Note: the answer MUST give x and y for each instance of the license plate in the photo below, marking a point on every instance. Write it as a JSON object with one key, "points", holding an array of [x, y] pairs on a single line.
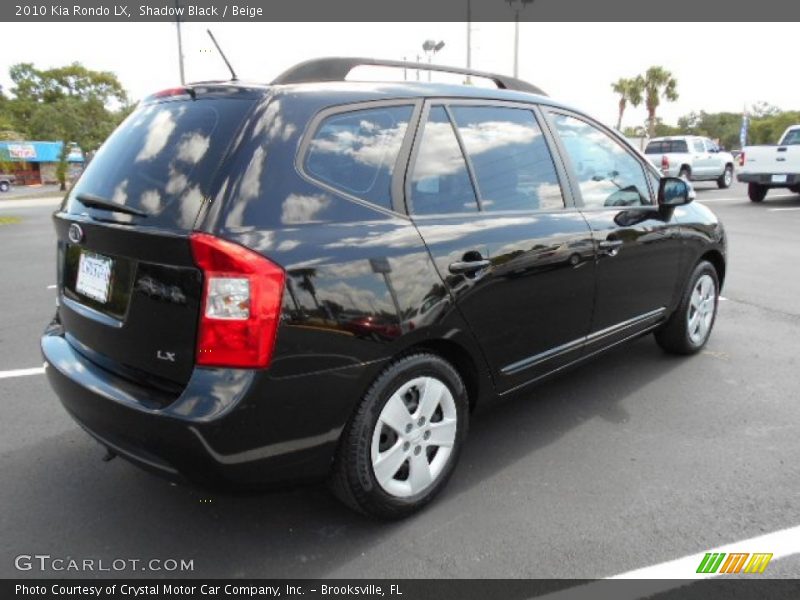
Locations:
{"points": [[94, 276], [779, 179]]}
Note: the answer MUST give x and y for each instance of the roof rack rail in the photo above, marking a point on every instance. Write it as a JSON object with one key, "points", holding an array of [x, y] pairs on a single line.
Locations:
{"points": [[337, 69]]}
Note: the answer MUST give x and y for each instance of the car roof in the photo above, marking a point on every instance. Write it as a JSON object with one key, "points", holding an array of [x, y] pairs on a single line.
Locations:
{"points": [[385, 90], [671, 138]]}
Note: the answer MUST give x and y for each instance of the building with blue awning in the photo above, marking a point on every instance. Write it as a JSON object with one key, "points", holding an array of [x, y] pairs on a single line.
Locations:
{"points": [[36, 162]]}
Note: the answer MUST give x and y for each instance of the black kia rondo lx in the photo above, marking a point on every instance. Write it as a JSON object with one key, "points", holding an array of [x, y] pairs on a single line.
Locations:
{"points": [[320, 278]]}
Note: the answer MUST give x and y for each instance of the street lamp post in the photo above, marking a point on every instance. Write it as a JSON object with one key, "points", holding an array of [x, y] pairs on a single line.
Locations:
{"points": [[431, 47], [517, 6]]}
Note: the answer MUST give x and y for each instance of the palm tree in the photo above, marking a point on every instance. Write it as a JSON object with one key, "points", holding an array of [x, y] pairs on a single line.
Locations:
{"points": [[658, 83], [629, 90]]}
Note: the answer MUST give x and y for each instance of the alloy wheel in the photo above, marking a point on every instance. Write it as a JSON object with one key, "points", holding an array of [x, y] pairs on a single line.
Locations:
{"points": [[702, 305], [414, 437]]}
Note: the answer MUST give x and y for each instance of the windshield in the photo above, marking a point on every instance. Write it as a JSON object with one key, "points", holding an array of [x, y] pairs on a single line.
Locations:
{"points": [[162, 159]]}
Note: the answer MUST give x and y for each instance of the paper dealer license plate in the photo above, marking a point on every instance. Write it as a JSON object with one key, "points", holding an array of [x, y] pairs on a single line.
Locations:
{"points": [[94, 276]]}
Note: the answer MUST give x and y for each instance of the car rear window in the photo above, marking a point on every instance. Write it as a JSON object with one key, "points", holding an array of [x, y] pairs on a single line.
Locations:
{"points": [[162, 159], [792, 138], [666, 147], [356, 151]]}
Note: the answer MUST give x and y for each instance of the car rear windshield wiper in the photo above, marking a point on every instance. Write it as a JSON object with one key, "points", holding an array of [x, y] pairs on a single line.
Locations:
{"points": [[93, 201]]}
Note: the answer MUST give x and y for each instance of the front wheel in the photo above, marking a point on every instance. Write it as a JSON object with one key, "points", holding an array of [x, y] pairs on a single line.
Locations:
{"points": [[756, 192], [4, 186], [689, 327], [402, 444], [726, 179]]}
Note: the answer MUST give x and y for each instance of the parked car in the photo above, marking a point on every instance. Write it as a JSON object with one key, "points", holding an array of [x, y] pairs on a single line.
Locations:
{"points": [[6, 181], [764, 168], [691, 157], [320, 278]]}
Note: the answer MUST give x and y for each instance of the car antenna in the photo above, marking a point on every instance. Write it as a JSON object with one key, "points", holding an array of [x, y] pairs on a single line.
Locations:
{"points": [[222, 54]]}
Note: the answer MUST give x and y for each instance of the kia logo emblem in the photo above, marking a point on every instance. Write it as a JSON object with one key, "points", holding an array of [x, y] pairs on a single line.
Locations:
{"points": [[75, 233]]}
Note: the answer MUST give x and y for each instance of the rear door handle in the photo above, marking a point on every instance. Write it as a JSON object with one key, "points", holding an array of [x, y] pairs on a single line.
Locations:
{"points": [[611, 247], [468, 266]]}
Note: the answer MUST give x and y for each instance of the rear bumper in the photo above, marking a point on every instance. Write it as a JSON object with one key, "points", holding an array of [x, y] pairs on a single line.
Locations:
{"points": [[238, 427], [792, 179]]}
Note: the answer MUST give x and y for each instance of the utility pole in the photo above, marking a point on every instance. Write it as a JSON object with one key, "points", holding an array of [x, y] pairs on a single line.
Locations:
{"points": [[517, 6], [469, 39], [180, 42]]}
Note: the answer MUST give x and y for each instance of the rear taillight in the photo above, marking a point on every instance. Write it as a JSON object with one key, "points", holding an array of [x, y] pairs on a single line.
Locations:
{"points": [[241, 306], [664, 164], [741, 159]]}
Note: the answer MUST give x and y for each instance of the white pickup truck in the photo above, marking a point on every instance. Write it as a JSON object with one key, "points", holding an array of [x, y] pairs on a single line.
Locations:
{"points": [[766, 167]]}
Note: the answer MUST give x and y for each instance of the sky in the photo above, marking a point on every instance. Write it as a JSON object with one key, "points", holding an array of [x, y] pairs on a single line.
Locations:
{"points": [[719, 66]]}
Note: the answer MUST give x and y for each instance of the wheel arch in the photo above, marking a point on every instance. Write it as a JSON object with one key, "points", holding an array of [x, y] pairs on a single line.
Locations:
{"points": [[718, 261], [475, 378]]}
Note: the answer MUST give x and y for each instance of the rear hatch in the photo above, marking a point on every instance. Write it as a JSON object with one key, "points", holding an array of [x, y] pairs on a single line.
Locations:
{"points": [[130, 292]]}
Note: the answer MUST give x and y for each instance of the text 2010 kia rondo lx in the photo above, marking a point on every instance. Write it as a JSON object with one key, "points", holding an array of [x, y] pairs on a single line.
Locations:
{"points": [[317, 277]]}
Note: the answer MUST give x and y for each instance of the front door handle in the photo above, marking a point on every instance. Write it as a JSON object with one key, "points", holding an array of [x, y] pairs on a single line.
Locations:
{"points": [[468, 266], [611, 247]]}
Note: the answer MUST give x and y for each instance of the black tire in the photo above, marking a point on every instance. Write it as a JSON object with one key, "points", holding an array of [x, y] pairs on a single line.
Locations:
{"points": [[726, 179], [756, 192], [795, 189], [685, 173], [4, 186], [674, 336], [353, 478]]}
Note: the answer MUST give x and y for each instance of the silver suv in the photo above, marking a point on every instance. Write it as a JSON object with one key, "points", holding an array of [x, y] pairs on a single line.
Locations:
{"points": [[691, 157]]}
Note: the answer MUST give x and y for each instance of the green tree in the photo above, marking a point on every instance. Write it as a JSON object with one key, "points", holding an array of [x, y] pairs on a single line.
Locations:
{"points": [[630, 92], [72, 104], [658, 83], [723, 126]]}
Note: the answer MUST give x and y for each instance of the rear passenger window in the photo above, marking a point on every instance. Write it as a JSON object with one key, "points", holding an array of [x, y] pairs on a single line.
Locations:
{"points": [[698, 146], [356, 151], [512, 164], [440, 183]]}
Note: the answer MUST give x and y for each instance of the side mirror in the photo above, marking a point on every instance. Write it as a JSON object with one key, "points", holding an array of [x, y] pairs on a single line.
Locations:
{"points": [[674, 191]]}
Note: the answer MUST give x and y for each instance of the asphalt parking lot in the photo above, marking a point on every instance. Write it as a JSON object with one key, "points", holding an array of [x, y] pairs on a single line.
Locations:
{"points": [[634, 460]]}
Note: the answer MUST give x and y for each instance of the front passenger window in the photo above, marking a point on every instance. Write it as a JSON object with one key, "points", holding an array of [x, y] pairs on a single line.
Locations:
{"points": [[607, 174]]}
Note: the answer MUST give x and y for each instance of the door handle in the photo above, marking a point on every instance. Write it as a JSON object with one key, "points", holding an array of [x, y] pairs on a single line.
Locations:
{"points": [[611, 247], [468, 266]]}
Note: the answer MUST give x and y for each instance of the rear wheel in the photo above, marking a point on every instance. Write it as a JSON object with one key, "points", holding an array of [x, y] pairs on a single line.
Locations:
{"points": [[795, 189], [685, 173], [689, 327], [726, 178], [756, 192], [4, 186], [402, 444]]}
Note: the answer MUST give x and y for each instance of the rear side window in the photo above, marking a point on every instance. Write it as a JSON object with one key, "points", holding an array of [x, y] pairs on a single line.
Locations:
{"points": [[163, 158], [512, 164], [698, 146], [440, 182], [356, 151]]}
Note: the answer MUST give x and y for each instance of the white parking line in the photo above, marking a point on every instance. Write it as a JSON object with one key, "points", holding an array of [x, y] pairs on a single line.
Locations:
{"points": [[781, 209], [781, 543], [742, 198], [21, 372], [51, 287]]}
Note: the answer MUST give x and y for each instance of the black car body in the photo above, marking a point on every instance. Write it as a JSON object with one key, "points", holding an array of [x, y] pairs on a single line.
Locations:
{"points": [[371, 243]]}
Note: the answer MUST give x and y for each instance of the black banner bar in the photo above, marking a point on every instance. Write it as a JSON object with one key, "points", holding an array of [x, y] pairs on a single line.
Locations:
{"points": [[393, 10], [402, 589]]}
